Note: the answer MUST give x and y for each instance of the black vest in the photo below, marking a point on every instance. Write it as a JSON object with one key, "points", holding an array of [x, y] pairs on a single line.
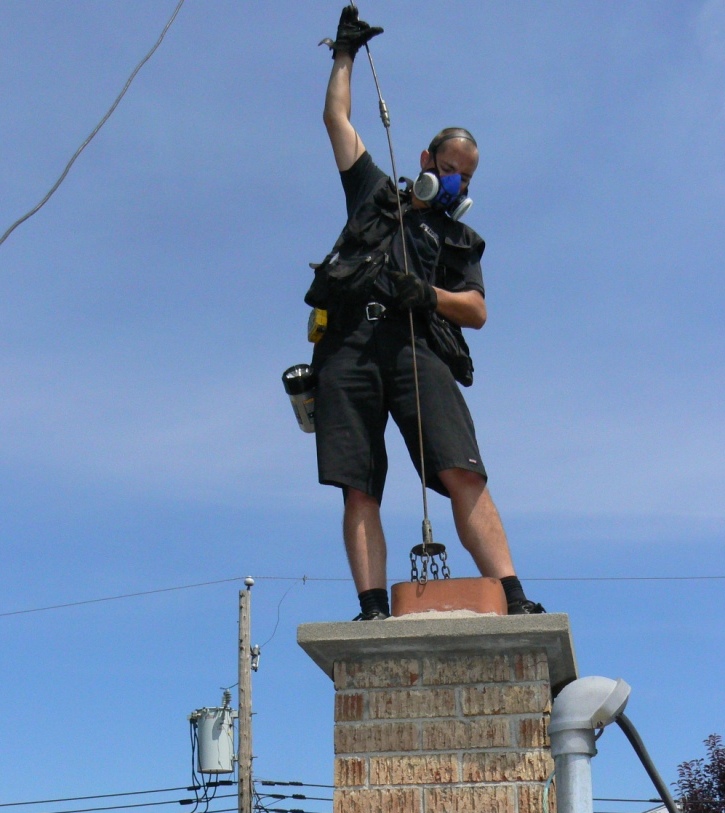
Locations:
{"points": [[439, 250]]}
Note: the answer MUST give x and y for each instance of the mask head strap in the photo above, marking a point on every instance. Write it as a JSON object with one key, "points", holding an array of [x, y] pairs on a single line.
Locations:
{"points": [[447, 135]]}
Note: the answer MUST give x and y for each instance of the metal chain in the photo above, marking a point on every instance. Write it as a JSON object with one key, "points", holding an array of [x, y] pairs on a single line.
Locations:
{"points": [[414, 575], [444, 561], [424, 576], [427, 555]]}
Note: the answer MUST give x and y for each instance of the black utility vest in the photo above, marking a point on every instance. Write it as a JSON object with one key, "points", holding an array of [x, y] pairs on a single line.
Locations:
{"points": [[438, 249]]}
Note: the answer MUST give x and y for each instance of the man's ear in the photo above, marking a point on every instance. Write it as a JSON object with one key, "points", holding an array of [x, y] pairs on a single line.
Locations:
{"points": [[425, 157]]}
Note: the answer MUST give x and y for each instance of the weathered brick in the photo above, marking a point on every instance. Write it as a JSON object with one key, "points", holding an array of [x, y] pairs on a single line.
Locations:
{"points": [[531, 732], [393, 800], [350, 772], [411, 703], [497, 698], [521, 766], [454, 671], [530, 666], [349, 706], [479, 799], [367, 738], [441, 733], [531, 798], [481, 732], [377, 673], [412, 769]]}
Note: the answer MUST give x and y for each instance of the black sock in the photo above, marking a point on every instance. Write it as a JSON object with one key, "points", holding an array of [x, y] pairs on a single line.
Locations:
{"points": [[375, 600], [513, 589]]}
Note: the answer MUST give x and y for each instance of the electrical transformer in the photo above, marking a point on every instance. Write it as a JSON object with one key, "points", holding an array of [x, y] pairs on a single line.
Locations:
{"points": [[215, 738]]}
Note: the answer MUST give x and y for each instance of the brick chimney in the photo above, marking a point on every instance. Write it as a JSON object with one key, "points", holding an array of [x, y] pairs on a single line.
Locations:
{"points": [[443, 714]]}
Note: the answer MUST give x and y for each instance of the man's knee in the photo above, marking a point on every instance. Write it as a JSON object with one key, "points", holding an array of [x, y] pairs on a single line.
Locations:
{"points": [[458, 480], [356, 500]]}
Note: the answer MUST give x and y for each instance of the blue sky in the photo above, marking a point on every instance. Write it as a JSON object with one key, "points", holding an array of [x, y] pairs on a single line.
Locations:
{"points": [[148, 311]]}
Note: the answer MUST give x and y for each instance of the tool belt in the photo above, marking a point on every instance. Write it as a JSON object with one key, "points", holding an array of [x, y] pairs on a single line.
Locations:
{"points": [[444, 338], [348, 316]]}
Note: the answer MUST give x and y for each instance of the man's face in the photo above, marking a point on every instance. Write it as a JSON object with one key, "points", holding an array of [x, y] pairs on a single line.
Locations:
{"points": [[457, 156]]}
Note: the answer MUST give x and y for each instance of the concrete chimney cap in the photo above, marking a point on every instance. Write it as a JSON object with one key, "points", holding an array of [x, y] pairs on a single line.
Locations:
{"points": [[589, 703]]}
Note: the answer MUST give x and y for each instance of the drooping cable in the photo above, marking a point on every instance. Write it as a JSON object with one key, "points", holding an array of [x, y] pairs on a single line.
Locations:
{"points": [[635, 740], [385, 118], [279, 605], [193, 733], [96, 128]]}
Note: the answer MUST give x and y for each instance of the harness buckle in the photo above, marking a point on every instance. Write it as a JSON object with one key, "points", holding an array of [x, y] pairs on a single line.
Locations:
{"points": [[374, 311]]}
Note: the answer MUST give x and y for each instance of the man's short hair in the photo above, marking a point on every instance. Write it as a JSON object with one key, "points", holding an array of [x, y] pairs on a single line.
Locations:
{"points": [[447, 134]]}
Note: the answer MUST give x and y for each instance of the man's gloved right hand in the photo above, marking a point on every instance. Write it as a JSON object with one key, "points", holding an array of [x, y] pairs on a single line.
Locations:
{"points": [[412, 293], [352, 33]]}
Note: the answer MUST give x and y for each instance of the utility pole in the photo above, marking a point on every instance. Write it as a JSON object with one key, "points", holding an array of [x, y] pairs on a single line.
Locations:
{"points": [[244, 745]]}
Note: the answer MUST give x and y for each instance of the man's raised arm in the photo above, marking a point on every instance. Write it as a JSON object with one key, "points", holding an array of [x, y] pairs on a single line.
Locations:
{"points": [[352, 34]]}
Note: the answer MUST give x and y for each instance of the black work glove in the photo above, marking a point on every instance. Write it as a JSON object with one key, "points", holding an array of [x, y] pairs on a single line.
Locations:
{"points": [[352, 33], [412, 293]]}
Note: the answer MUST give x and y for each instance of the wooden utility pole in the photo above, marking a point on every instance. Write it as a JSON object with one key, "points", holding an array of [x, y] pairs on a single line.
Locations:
{"points": [[244, 745]]}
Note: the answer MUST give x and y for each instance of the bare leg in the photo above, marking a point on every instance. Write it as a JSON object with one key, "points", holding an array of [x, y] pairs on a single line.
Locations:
{"points": [[364, 541], [478, 522]]}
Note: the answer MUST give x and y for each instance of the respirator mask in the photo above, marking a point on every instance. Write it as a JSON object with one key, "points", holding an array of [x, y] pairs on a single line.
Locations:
{"points": [[442, 192]]}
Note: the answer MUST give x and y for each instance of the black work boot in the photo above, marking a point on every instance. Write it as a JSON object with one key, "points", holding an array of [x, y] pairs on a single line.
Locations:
{"points": [[524, 607], [374, 605], [375, 615]]}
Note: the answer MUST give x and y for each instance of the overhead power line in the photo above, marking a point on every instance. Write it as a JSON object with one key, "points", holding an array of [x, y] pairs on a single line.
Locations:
{"points": [[305, 579], [260, 797], [95, 130], [187, 801], [268, 782], [122, 596], [138, 805], [276, 810], [622, 578], [272, 796], [88, 798], [299, 796], [264, 782]]}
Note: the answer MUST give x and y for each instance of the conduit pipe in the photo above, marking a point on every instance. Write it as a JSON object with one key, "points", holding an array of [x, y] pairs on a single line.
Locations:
{"points": [[580, 709]]}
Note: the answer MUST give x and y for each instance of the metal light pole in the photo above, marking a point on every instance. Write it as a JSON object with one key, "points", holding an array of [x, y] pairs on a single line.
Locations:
{"points": [[244, 745]]}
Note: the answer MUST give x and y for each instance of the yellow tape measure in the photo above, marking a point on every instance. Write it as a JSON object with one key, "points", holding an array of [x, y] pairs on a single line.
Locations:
{"points": [[316, 325]]}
